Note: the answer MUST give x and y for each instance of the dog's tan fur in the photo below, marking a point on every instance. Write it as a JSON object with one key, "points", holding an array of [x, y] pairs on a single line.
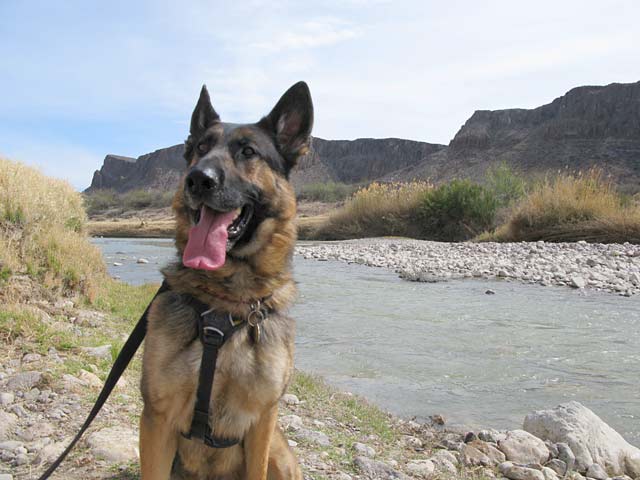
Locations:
{"points": [[250, 376]]}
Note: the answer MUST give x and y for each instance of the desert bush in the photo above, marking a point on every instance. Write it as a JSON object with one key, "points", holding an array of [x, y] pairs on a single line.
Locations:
{"points": [[377, 210], [506, 185], [572, 207], [42, 232], [457, 210], [327, 192]]}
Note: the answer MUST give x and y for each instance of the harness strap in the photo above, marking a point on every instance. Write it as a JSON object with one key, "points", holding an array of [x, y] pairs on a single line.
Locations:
{"points": [[214, 329], [124, 357]]}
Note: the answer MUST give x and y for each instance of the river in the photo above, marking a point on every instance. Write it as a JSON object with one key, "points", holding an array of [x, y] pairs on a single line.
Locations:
{"points": [[448, 348]]}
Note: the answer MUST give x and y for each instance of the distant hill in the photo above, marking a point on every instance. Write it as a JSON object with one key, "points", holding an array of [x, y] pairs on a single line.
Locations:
{"points": [[587, 126]]}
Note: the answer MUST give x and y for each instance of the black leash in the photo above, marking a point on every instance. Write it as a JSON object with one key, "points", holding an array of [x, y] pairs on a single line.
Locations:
{"points": [[119, 366]]}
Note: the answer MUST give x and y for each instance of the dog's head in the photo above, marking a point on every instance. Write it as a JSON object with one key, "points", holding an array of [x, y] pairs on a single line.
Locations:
{"points": [[236, 200]]}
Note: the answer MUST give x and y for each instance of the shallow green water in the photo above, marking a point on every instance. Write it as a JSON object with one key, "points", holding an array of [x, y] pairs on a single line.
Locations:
{"points": [[424, 348]]}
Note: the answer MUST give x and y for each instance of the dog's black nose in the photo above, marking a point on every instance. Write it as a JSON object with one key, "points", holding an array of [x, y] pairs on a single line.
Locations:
{"points": [[199, 182]]}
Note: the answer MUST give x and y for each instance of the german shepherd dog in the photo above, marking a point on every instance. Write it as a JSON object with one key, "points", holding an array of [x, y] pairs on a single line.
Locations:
{"points": [[235, 234]]}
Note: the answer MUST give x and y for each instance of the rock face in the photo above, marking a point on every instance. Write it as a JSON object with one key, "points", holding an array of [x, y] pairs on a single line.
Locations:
{"points": [[590, 439], [159, 170], [347, 161], [591, 125]]}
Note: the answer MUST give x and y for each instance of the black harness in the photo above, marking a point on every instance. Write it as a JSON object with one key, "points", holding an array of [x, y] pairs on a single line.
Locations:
{"points": [[214, 329]]}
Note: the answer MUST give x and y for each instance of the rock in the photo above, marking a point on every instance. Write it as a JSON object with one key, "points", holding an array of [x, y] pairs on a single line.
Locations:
{"points": [[117, 264], [103, 351], [490, 292], [516, 472], [31, 357], [590, 439], [577, 282], [6, 398], [495, 455], [444, 455], [11, 445], [437, 420], [72, 384], [7, 423], [21, 459], [290, 399], [566, 455], [472, 457], [50, 452], [521, 447], [421, 468], [114, 444], [313, 436], [597, 472], [470, 437], [291, 422], [6, 476], [364, 450], [549, 474], [24, 380], [558, 466], [410, 441], [90, 379], [142, 261], [376, 470], [342, 476]]}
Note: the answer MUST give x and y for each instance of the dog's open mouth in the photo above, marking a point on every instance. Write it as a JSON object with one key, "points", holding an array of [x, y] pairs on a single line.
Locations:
{"points": [[213, 235]]}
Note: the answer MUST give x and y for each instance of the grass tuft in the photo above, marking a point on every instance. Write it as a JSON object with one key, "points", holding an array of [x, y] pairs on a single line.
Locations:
{"points": [[572, 207], [42, 232]]}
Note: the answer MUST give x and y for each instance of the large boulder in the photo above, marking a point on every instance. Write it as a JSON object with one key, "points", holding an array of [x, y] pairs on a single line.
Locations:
{"points": [[591, 439]]}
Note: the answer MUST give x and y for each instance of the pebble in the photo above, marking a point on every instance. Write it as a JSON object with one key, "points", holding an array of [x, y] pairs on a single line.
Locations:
{"points": [[616, 267], [6, 398], [597, 472], [290, 399], [421, 468], [24, 380], [142, 260], [313, 436], [377, 469], [364, 450], [103, 351]]}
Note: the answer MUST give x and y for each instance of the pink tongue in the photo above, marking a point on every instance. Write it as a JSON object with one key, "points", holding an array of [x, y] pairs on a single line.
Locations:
{"points": [[207, 245]]}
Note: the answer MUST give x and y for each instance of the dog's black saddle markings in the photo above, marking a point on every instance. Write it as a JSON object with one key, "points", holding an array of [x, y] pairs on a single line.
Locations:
{"points": [[214, 328]]}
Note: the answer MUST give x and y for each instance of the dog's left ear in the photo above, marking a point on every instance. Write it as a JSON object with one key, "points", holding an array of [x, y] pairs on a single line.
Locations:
{"points": [[291, 121]]}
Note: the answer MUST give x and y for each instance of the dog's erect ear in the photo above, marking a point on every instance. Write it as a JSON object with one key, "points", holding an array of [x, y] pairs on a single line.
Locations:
{"points": [[291, 121], [203, 115]]}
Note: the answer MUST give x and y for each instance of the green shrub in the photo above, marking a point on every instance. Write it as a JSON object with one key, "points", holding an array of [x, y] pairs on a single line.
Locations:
{"points": [[327, 192], [457, 211], [506, 185]]}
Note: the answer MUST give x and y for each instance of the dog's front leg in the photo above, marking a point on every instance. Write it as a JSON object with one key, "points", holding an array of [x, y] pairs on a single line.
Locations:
{"points": [[158, 444], [257, 443]]}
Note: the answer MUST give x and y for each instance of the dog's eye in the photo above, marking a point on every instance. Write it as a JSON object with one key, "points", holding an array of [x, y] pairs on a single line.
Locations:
{"points": [[203, 147], [248, 152]]}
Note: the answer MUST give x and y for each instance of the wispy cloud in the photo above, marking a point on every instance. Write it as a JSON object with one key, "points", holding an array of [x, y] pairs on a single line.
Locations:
{"points": [[308, 35]]}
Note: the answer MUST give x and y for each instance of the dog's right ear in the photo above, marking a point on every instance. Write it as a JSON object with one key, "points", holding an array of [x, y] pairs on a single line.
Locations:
{"points": [[203, 115]]}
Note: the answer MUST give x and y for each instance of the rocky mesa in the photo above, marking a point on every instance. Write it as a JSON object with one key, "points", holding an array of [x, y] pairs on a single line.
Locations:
{"points": [[588, 126]]}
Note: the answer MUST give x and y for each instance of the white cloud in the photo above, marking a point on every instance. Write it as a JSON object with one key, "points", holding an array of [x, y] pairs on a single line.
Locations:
{"points": [[308, 35]]}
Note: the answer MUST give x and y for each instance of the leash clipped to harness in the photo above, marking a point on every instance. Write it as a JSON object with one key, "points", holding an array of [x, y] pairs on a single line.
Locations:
{"points": [[214, 329]]}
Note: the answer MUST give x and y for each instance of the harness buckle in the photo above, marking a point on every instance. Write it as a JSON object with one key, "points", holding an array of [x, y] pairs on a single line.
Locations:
{"points": [[212, 335]]}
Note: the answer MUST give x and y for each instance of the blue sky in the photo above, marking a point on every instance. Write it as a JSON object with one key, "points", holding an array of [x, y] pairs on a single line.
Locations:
{"points": [[82, 79]]}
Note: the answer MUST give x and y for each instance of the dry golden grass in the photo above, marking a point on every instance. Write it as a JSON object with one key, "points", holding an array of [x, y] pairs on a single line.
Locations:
{"points": [[42, 232], [570, 208], [377, 210]]}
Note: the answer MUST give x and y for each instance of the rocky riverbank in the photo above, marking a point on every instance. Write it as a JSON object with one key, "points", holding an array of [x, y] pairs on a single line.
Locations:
{"points": [[55, 355], [612, 268]]}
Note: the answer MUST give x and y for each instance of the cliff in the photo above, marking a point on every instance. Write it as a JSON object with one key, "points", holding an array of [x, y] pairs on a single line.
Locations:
{"points": [[585, 127]]}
